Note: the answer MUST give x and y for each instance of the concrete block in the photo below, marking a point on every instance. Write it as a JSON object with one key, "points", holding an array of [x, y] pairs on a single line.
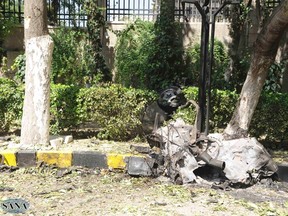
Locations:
{"points": [[56, 143], [139, 166], [9, 157], [68, 139], [26, 158], [58, 158], [117, 161], [283, 172], [89, 159]]}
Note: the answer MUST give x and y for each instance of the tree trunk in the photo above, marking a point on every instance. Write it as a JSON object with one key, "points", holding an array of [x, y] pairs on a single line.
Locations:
{"points": [[284, 58], [39, 48], [265, 50]]}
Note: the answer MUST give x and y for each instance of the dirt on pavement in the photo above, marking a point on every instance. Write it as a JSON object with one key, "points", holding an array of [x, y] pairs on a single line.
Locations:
{"points": [[80, 191]]}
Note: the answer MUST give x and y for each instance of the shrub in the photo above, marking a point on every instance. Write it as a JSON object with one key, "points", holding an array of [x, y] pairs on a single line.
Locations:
{"points": [[116, 109], [270, 119], [145, 58], [275, 74], [133, 47], [6, 25], [63, 107], [221, 61], [73, 60], [11, 100], [20, 66]]}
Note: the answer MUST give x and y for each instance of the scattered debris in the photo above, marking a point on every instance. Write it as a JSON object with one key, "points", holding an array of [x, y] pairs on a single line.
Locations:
{"points": [[57, 141], [5, 138], [140, 148], [138, 166], [2, 189], [242, 160]]}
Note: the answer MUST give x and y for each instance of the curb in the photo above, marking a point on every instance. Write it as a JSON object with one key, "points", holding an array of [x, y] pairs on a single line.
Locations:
{"points": [[65, 159]]}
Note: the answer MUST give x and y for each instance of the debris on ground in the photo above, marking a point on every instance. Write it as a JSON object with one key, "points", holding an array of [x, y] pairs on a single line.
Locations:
{"points": [[242, 160]]}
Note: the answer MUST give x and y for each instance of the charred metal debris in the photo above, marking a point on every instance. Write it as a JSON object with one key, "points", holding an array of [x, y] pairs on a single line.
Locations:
{"points": [[181, 153]]}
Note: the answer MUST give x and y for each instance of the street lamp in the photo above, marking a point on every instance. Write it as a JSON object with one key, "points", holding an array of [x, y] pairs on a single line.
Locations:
{"points": [[204, 95]]}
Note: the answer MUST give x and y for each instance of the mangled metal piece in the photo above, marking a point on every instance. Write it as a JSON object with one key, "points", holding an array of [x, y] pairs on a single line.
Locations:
{"points": [[168, 101], [246, 159], [242, 160]]}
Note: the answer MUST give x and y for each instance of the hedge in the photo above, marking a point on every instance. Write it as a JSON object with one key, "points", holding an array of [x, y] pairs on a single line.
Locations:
{"points": [[270, 120], [11, 99], [117, 110]]}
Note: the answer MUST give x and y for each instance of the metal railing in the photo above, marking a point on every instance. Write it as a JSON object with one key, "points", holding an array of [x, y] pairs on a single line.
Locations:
{"points": [[117, 10], [60, 12], [70, 12], [12, 9]]}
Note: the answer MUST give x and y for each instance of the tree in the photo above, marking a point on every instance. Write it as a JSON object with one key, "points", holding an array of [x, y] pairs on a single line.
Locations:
{"points": [[166, 60], [264, 53], [38, 49], [95, 22]]}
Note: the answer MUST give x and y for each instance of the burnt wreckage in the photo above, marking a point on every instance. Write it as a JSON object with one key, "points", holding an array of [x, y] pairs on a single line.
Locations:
{"points": [[183, 154], [181, 151]]}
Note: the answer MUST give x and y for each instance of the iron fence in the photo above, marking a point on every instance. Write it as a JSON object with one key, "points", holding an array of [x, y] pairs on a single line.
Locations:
{"points": [[117, 10], [60, 12], [12, 9], [70, 12]]}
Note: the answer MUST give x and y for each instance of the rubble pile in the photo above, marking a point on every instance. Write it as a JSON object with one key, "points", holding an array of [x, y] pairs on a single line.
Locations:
{"points": [[242, 160]]}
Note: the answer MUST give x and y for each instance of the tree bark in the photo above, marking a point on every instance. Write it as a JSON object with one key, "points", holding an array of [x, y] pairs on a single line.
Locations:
{"points": [[39, 48], [35, 18], [265, 50], [284, 58]]}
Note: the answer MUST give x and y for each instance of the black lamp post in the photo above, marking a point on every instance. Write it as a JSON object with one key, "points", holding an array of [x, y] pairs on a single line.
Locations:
{"points": [[204, 95]]}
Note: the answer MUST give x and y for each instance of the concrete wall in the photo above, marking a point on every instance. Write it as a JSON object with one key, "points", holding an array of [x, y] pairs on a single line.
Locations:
{"points": [[14, 43]]}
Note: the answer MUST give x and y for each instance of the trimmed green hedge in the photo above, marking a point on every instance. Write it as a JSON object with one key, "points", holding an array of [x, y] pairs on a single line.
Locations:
{"points": [[11, 99], [118, 110], [270, 120]]}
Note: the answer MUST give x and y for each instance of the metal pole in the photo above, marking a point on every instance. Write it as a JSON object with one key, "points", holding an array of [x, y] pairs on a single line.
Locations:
{"points": [[205, 76], [211, 60], [204, 51]]}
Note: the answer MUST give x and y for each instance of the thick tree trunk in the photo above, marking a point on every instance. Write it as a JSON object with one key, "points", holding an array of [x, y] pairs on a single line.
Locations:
{"points": [[35, 18], [265, 50], [39, 48], [284, 58]]}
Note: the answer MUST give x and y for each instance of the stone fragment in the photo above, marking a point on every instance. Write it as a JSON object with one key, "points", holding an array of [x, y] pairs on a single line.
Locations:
{"points": [[139, 166], [140, 148]]}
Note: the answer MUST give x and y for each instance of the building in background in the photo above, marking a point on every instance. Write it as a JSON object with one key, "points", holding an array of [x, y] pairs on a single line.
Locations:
{"points": [[70, 13]]}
